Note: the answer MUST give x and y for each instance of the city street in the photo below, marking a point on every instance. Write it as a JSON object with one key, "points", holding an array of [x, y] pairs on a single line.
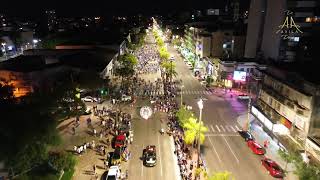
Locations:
{"points": [[146, 132], [224, 149]]}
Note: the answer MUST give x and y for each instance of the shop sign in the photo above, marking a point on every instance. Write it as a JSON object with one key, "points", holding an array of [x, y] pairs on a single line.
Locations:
{"points": [[286, 122]]}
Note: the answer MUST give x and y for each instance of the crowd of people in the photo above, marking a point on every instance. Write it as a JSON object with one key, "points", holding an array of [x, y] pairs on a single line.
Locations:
{"points": [[148, 59]]}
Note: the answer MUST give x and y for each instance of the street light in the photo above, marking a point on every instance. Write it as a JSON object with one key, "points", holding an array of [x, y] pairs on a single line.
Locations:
{"points": [[200, 105], [4, 50]]}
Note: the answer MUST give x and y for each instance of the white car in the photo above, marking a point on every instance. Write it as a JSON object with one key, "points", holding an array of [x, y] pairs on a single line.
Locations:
{"points": [[243, 96], [113, 173], [172, 58], [89, 99], [125, 98]]}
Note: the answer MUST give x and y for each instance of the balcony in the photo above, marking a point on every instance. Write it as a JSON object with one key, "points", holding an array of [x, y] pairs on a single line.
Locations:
{"points": [[282, 99]]}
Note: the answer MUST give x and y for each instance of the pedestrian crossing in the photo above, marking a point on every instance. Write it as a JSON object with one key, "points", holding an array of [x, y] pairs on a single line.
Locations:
{"points": [[223, 128], [186, 92]]}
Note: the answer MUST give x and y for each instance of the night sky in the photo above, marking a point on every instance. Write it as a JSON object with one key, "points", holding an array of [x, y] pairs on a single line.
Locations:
{"points": [[93, 7]]}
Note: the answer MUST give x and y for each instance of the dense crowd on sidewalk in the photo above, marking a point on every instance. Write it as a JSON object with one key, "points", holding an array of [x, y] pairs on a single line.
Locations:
{"points": [[111, 122]]}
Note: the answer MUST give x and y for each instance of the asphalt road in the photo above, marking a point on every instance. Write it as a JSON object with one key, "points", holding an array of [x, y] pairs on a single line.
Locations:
{"points": [[223, 149], [146, 132]]}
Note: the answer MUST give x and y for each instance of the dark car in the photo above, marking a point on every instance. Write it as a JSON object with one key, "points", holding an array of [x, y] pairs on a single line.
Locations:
{"points": [[150, 156], [246, 135], [273, 168]]}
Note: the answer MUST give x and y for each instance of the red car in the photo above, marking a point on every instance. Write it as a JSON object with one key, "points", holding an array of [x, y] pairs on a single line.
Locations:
{"points": [[256, 148], [120, 140], [273, 168]]}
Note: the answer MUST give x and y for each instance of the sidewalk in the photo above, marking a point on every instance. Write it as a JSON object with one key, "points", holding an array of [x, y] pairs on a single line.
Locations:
{"points": [[272, 149]]}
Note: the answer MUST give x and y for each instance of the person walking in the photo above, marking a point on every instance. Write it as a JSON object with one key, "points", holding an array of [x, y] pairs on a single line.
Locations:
{"points": [[94, 169]]}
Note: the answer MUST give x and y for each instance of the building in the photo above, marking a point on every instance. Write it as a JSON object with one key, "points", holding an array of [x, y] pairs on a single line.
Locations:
{"points": [[31, 73], [280, 30], [52, 20], [288, 106]]}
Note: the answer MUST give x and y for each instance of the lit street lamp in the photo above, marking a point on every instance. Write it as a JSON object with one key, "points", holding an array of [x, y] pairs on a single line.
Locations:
{"points": [[4, 50], [200, 105]]}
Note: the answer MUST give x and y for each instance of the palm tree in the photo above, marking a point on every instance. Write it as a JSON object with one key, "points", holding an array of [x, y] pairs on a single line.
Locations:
{"points": [[221, 176], [194, 130]]}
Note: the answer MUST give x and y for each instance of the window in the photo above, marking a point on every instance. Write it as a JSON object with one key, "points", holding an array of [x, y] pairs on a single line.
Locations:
{"points": [[241, 69], [270, 101], [278, 106], [290, 105], [299, 111]]}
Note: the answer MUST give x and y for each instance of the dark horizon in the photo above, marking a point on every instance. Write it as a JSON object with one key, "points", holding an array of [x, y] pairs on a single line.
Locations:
{"points": [[79, 8]]}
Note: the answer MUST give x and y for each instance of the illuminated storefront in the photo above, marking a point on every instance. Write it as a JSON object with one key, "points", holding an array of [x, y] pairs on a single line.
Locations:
{"points": [[281, 128]]}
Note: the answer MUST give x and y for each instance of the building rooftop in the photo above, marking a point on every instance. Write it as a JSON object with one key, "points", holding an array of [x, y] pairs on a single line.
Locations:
{"points": [[90, 60], [95, 59], [24, 64]]}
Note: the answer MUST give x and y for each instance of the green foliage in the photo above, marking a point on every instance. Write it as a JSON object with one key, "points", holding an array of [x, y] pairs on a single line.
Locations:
{"points": [[309, 172], [61, 161], [193, 130], [126, 66], [183, 115], [221, 176], [176, 42], [67, 175]]}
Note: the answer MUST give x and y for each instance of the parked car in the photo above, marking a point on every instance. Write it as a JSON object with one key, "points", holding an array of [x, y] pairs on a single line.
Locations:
{"points": [[125, 98], [273, 168], [113, 173], [150, 156], [243, 96], [246, 135], [172, 58], [89, 99], [117, 156], [256, 148]]}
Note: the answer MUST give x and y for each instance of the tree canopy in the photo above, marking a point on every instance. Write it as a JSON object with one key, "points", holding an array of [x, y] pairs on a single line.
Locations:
{"points": [[193, 130]]}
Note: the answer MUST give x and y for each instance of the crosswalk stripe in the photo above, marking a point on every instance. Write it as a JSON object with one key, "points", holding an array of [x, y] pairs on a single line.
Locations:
{"points": [[233, 129], [228, 129], [212, 128], [238, 128], [218, 128], [222, 128]]}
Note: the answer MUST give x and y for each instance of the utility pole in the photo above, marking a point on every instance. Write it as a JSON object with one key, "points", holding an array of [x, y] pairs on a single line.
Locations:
{"points": [[247, 125], [200, 105]]}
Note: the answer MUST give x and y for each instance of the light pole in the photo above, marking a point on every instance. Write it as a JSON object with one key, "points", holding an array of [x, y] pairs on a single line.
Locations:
{"points": [[4, 50], [182, 86], [200, 105], [247, 125]]}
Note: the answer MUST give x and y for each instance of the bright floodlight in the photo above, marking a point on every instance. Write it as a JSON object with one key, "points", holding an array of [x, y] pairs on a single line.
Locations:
{"points": [[200, 104], [35, 41]]}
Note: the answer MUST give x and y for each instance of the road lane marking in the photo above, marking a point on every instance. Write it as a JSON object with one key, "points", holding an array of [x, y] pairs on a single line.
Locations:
{"points": [[222, 128], [218, 128], [215, 150], [212, 128], [160, 155], [233, 129], [238, 128], [231, 149]]}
